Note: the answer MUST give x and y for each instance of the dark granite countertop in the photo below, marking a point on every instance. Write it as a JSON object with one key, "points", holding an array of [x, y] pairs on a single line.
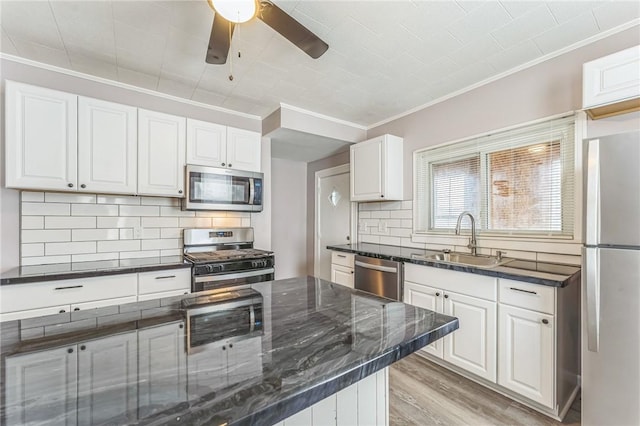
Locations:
{"points": [[549, 274], [317, 338], [64, 271]]}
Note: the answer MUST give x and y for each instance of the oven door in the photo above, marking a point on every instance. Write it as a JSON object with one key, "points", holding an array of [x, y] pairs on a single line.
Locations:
{"points": [[212, 282], [210, 188]]}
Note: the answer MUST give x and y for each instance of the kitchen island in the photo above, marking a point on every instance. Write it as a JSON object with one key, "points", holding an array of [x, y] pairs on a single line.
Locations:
{"points": [[305, 348]]}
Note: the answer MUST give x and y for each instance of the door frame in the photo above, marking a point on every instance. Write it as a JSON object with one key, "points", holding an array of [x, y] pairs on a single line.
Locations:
{"points": [[353, 230]]}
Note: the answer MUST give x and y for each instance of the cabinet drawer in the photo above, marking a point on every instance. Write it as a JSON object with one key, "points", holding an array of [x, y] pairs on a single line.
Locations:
{"points": [[151, 296], [458, 282], [343, 259], [528, 296], [21, 297], [161, 281]]}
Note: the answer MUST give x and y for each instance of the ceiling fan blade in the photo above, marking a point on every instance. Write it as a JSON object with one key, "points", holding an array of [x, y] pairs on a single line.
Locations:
{"points": [[291, 29], [219, 41]]}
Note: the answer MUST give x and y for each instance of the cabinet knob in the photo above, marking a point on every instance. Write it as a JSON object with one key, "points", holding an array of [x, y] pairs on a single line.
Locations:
{"points": [[83, 186], [180, 191], [224, 348], [181, 326], [223, 164], [70, 350], [230, 345], [446, 296], [437, 294], [76, 309], [381, 195], [545, 321], [62, 311], [229, 164], [70, 185], [83, 347]]}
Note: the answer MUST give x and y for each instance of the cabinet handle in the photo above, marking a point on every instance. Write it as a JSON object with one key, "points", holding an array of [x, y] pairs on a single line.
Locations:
{"points": [[76, 309], [69, 287], [545, 321], [165, 277], [229, 164], [524, 291], [341, 255], [446, 296], [70, 350], [83, 186], [62, 311], [70, 185], [83, 347], [223, 164], [437, 294]]}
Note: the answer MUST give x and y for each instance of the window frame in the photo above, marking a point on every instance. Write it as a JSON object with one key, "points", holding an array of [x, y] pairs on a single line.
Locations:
{"points": [[571, 165]]}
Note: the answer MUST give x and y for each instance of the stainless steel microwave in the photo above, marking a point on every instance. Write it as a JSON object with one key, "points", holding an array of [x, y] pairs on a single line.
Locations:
{"points": [[212, 188]]}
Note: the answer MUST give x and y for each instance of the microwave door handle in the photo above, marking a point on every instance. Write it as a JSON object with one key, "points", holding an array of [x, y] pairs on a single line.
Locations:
{"points": [[252, 190]]}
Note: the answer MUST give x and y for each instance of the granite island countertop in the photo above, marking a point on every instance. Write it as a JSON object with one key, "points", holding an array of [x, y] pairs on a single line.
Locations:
{"points": [[65, 271], [317, 338], [542, 273]]}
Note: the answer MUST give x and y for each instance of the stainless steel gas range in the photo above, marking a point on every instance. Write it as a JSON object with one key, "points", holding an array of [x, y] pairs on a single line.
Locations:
{"points": [[225, 258]]}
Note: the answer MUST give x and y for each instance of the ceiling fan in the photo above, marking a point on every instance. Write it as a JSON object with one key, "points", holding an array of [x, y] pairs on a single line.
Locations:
{"points": [[229, 13]]}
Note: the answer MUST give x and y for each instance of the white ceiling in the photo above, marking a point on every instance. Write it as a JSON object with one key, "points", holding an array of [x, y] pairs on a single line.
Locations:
{"points": [[300, 146], [384, 57]]}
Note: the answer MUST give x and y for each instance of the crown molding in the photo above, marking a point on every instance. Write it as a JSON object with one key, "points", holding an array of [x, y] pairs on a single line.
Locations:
{"points": [[544, 58], [126, 86], [322, 116]]}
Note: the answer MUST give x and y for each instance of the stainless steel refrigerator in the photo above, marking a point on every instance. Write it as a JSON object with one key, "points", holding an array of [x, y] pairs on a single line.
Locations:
{"points": [[611, 282]]}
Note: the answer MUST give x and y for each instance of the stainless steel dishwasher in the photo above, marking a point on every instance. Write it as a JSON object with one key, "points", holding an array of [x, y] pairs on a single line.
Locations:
{"points": [[379, 276]]}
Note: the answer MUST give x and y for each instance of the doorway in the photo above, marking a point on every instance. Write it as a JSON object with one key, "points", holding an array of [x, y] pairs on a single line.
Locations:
{"points": [[335, 216]]}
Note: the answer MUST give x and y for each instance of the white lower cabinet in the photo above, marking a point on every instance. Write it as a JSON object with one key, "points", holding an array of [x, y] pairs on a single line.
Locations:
{"points": [[342, 268], [526, 353], [162, 374], [428, 298]]}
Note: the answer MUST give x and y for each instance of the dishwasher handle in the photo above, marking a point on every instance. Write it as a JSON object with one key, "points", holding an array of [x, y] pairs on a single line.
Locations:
{"points": [[377, 267]]}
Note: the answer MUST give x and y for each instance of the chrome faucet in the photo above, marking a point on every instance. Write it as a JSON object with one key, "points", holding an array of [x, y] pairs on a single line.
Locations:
{"points": [[472, 241]]}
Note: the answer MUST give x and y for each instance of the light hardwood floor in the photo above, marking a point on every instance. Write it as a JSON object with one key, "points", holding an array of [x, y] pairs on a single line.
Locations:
{"points": [[423, 393]]}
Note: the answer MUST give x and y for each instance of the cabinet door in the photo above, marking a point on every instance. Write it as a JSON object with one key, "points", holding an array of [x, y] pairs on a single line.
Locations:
{"points": [[207, 370], [107, 380], [366, 170], [612, 78], [41, 138], [427, 298], [243, 149], [41, 386], [245, 360], [161, 152], [473, 345], [525, 353], [162, 374], [206, 143], [107, 147], [342, 275]]}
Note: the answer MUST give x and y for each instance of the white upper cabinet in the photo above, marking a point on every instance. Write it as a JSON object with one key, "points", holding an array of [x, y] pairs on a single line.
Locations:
{"points": [[611, 84], [206, 143], [161, 154], [376, 169], [214, 145], [107, 147], [41, 138], [243, 149]]}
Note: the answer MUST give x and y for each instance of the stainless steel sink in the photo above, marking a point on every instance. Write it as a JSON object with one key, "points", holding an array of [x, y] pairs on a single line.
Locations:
{"points": [[468, 259]]}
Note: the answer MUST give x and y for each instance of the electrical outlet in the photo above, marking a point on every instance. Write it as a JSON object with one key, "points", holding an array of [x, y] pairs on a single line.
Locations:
{"points": [[137, 232], [382, 227]]}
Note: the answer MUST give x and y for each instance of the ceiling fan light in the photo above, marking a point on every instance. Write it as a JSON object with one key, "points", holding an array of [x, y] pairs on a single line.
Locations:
{"points": [[236, 11]]}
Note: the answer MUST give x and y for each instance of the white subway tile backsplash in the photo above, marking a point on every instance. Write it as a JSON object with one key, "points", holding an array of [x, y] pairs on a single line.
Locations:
{"points": [[219, 222], [400, 232], [175, 211], [94, 257], [213, 214], [44, 260], [168, 243], [159, 222], [94, 234], [118, 199], [245, 222], [126, 233], [29, 250], [380, 214], [196, 222], [45, 209], [69, 222], [62, 197], [369, 206], [171, 252], [94, 209], [138, 254], [401, 214], [391, 241], [559, 258], [32, 222], [45, 235], [373, 239], [53, 249], [139, 211], [150, 233], [407, 205], [159, 201], [118, 222], [171, 233], [364, 214], [37, 197], [120, 245], [407, 223]]}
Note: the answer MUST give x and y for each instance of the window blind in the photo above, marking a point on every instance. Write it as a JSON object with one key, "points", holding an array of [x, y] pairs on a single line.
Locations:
{"points": [[515, 182]]}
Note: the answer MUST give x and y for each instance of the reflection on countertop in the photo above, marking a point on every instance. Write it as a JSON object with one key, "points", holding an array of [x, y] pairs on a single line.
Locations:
{"points": [[131, 364]]}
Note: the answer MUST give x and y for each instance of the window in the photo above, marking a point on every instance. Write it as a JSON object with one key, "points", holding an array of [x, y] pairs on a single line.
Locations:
{"points": [[518, 182]]}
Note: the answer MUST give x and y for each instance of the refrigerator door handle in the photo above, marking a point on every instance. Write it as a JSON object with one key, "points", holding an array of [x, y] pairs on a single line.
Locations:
{"points": [[592, 289], [592, 197]]}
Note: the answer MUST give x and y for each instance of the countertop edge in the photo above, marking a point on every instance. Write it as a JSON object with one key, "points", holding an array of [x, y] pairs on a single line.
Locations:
{"points": [[91, 273], [460, 268]]}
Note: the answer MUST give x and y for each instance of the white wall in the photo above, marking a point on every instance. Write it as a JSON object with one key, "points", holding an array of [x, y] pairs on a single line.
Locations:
{"points": [[289, 217]]}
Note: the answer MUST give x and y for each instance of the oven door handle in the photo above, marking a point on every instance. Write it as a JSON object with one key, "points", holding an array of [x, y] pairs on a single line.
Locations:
{"points": [[224, 277]]}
